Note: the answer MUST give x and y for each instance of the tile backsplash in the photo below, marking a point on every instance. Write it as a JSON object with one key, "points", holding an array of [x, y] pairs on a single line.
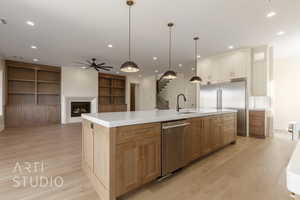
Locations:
{"points": [[259, 102]]}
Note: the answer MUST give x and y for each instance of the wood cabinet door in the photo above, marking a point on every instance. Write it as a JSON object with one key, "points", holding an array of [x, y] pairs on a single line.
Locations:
{"points": [[257, 124], [230, 128], [216, 132], [88, 144], [206, 144], [192, 140], [128, 166], [151, 158]]}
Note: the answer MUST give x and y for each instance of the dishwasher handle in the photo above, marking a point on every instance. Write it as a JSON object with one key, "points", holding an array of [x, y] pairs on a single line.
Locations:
{"points": [[175, 126]]}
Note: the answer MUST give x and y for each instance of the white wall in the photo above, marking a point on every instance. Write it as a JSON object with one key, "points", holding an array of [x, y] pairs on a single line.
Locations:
{"points": [[2, 93], [286, 85], [77, 82], [180, 85], [145, 92]]}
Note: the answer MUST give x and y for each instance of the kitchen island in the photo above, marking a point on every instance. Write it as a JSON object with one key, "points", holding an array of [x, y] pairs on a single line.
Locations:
{"points": [[122, 151]]}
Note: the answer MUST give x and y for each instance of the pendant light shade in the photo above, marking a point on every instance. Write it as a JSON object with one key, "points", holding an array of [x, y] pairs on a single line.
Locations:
{"points": [[196, 79], [129, 66], [170, 74]]}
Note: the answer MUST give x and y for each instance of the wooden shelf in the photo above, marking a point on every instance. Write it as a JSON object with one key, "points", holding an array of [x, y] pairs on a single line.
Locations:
{"points": [[50, 82], [34, 92], [22, 80], [112, 93], [48, 93], [21, 93], [104, 87]]}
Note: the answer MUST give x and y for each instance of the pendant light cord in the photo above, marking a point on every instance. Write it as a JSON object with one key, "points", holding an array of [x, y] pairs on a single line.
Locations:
{"points": [[170, 46], [129, 34], [196, 48]]}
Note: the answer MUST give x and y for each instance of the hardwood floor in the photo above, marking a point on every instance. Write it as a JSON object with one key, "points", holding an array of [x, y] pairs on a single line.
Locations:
{"points": [[251, 169]]}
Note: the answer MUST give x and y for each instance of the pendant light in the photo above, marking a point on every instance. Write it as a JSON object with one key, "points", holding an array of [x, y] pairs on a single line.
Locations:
{"points": [[196, 79], [170, 74], [129, 66]]}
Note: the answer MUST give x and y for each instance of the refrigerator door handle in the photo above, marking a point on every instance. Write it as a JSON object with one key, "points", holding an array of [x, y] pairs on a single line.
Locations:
{"points": [[219, 98], [221, 105]]}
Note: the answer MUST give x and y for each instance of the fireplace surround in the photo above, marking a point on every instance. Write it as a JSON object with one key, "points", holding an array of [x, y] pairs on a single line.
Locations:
{"points": [[75, 106], [78, 108]]}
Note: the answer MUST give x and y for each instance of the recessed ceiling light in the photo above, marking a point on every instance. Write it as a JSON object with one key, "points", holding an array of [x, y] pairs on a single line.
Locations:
{"points": [[140, 75], [35, 60], [179, 65], [198, 56], [230, 47], [83, 67], [110, 46], [156, 71], [34, 47], [271, 14], [3, 21], [118, 72], [280, 33], [193, 68], [30, 23], [154, 58]]}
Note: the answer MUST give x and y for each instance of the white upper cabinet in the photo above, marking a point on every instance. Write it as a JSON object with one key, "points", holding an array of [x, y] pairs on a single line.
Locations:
{"points": [[255, 64], [261, 70], [220, 68]]}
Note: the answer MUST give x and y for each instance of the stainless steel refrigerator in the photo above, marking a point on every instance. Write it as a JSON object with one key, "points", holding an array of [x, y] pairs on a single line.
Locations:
{"points": [[229, 95]]}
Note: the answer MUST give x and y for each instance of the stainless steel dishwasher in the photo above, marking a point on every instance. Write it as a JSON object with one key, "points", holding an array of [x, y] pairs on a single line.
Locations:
{"points": [[173, 146]]}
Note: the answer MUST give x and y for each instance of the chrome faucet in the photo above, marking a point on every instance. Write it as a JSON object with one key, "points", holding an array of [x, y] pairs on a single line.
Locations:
{"points": [[177, 106]]}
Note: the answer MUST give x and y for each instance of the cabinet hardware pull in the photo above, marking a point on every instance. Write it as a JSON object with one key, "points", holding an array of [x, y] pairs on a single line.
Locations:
{"points": [[175, 126], [92, 126]]}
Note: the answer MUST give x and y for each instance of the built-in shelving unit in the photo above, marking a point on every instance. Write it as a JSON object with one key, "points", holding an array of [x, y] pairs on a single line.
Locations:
{"points": [[33, 94], [112, 89]]}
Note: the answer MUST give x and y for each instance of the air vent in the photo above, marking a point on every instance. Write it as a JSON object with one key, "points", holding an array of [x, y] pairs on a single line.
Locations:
{"points": [[3, 21]]}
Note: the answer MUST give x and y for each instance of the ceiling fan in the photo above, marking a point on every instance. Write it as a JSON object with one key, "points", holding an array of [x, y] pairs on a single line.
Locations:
{"points": [[93, 64]]}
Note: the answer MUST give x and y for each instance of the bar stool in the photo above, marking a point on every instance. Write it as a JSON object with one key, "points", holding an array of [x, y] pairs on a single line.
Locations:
{"points": [[294, 128]]}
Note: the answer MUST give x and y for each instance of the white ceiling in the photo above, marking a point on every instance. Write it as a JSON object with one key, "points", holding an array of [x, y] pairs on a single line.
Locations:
{"points": [[68, 30]]}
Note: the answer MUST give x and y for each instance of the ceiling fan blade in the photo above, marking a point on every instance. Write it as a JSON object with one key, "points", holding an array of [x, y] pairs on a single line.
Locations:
{"points": [[90, 62], [102, 68], [81, 63], [110, 67], [101, 64], [96, 69]]}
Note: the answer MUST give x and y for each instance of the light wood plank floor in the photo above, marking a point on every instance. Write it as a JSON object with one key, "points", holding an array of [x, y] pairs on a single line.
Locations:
{"points": [[251, 169]]}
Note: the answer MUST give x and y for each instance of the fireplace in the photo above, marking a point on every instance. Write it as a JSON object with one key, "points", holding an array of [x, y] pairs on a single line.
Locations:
{"points": [[78, 108]]}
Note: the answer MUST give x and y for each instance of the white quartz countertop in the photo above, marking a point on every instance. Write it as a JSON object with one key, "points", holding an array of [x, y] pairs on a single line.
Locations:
{"points": [[293, 172], [116, 119]]}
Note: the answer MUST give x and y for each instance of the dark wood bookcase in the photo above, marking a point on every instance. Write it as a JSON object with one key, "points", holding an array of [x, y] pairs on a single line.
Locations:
{"points": [[112, 93], [33, 94]]}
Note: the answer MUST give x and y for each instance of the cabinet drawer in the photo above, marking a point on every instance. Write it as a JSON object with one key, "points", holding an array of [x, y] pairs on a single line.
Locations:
{"points": [[126, 133], [257, 122], [228, 117], [257, 114], [257, 131], [217, 119]]}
